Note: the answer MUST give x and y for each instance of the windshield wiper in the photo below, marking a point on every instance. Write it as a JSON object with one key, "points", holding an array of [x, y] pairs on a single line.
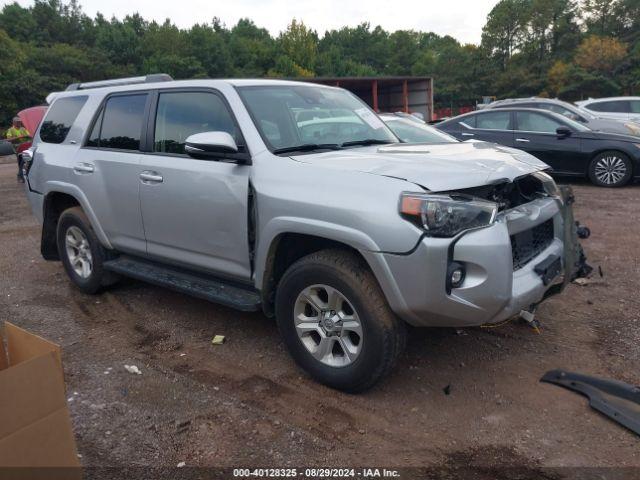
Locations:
{"points": [[366, 141], [308, 147]]}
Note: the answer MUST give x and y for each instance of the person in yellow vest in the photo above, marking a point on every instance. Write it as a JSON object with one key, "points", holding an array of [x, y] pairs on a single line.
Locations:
{"points": [[17, 135]]}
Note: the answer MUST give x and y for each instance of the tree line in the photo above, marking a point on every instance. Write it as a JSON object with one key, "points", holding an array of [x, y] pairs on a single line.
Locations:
{"points": [[565, 48]]}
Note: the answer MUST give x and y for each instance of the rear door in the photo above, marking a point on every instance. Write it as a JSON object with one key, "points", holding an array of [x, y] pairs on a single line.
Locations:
{"points": [[107, 168], [536, 133], [195, 212]]}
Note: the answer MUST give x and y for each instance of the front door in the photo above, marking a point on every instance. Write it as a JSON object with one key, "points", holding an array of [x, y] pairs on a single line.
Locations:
{"points": [[194, 211], [536, 133]]}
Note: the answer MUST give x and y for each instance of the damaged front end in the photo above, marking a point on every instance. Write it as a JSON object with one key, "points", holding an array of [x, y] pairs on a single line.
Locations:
{"points": [[575, 260], [514, 196]]}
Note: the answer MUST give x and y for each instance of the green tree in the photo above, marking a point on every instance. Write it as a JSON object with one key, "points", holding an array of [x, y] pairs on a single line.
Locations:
{"points": [[300, 45]]}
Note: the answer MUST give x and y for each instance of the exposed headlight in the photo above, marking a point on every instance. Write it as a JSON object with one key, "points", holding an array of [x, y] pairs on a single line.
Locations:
{"points": [[446, 215], [549, 185]]}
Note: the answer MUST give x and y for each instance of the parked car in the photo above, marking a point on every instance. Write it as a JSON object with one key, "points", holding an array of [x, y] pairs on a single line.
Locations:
{"points": [[596, 123], [410, 131], [569, 147], [620, 108], [295, 199], [6, 148]]}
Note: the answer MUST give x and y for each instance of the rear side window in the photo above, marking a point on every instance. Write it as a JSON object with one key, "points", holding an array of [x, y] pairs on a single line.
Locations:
{"points": [[60, 117], [635, 106], [119, 124], [612, 106], [181, 114], [493, 120]]}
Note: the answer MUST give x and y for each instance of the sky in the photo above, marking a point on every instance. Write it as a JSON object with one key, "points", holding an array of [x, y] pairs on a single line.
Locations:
{"points": [[462, 19]]}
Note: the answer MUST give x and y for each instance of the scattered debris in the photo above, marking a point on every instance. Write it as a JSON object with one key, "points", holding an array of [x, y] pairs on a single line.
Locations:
{"points": [[218, 340], [600, 271], [582, 231], [132, 369], [181, 464], [617, 400], [447, 390], [582, 281], [530, 318]]}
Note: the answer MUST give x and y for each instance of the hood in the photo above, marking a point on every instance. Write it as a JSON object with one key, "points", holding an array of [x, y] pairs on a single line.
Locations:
{"points": [[436, 167], [601, 135], [31, 117], [612, 126]]}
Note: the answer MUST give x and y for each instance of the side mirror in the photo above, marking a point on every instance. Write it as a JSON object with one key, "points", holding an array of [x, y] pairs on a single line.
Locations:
{"points": [[210, 145], [563, 132]]}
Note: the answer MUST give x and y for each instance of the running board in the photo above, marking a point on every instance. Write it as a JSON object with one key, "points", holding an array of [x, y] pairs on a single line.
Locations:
{"points": [[206, 288]]}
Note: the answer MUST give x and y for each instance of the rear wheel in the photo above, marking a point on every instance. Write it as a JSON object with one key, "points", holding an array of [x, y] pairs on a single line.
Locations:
{"points": [[335, 321], [81, 252], [610, 169]]}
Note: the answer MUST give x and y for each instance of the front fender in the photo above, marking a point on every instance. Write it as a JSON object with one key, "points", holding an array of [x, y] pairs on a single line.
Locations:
{"points": [[317, 228]]}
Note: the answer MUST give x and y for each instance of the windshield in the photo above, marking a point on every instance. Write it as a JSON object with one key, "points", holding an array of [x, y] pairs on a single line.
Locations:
{"points": [[413, 132], [305, 117], [576, 125], [570, 111]]}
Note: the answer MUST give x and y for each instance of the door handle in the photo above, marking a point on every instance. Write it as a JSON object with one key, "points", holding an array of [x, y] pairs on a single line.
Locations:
{"points": [[83, 168], [149, 176], [468, 134], [522, 140]]}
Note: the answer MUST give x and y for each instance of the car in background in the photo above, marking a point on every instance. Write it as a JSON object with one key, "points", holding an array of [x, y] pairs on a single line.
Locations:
{"points": [[410, 131], [6, 148], [594, 122], [620, 108], [569, 147]]}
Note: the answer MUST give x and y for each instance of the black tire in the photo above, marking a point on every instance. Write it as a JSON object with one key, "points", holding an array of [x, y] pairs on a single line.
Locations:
{"points": [[99, 278], [384, 334], [601, 160]]}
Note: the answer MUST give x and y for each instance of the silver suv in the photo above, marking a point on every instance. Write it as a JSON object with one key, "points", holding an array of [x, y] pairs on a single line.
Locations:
{"points": [[297, 200]]}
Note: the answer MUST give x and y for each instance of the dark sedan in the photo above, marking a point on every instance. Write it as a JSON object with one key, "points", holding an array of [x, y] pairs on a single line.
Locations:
{"points": [[570, 148]]}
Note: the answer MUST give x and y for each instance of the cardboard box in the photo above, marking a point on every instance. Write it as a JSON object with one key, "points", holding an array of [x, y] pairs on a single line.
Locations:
{"points": [[35, 428]]}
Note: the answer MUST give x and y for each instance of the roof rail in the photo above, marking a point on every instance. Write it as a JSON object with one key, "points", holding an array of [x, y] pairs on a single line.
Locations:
{"points": [[153, 78]]}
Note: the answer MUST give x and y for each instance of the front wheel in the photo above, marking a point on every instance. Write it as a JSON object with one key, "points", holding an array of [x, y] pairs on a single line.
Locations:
{"points": [[335, 321], [610, 169]]}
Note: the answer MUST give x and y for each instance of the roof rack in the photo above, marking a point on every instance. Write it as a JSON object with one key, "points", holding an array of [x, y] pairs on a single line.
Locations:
{"points": [[153, 78]]}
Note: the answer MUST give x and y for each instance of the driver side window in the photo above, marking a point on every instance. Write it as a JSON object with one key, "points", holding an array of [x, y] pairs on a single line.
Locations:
{"points": [[181, 114], [536, 122]]}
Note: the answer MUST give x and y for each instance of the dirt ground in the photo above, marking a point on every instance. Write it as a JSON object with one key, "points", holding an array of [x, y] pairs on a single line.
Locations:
{"points": [[245, 403]]}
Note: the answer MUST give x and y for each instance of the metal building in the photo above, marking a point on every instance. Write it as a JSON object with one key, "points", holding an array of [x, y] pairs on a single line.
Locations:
{"points": [[388, 94]]}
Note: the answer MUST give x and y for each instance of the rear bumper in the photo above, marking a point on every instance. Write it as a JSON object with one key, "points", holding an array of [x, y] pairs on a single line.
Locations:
{"points": [[36, 201], [415, 283]]}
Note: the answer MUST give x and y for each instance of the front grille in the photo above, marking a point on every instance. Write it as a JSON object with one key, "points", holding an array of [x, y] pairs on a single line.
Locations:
{"points": [[530, 243]]}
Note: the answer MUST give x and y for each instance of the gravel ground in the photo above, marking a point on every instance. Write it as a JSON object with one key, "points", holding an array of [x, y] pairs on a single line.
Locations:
{"points": [[245, 403]]}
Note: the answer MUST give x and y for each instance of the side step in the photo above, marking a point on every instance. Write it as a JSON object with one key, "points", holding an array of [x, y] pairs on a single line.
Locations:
{"points": [[194, 284]]}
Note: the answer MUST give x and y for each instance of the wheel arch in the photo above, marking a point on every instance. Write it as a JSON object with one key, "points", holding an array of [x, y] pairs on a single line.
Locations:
{"points": [[635, 162], [284, 250], [56, 201]]}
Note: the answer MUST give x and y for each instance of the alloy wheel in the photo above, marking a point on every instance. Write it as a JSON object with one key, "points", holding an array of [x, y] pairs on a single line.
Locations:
{"points": [[328, 325], [610, 169], [78, 252]]}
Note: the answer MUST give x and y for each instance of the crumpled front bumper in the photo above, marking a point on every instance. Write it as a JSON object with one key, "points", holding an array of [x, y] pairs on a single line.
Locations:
{"points": [[415, 283]]}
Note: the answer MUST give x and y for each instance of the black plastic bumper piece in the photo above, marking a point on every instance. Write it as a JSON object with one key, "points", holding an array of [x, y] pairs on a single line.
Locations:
{"points": [[192, 283], [617, 400]]}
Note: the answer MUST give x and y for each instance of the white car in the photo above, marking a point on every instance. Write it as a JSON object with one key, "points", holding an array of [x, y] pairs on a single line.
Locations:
{"points": [[620, 108]]}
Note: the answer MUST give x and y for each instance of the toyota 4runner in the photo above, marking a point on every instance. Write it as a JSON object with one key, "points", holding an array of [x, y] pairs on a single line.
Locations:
{"points": [[297, 200]]}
